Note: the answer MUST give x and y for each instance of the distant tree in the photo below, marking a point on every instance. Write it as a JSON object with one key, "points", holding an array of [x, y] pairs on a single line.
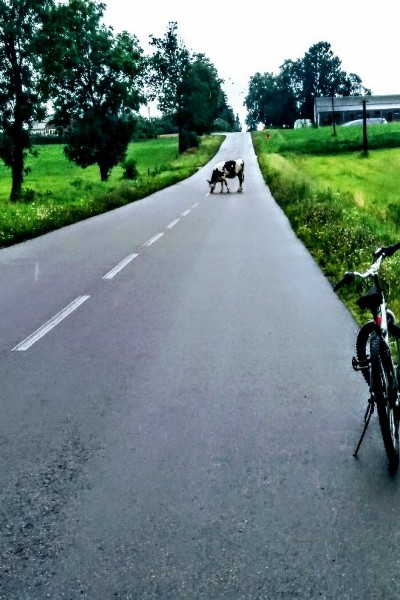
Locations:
{"points": [[20, 98], [145, 128], [237, 125], [204, 95], [280, 99], [321, 76], [227, 116], [93, 79], [165, 125], [169, 70], [261, 89], [352, 86], [319, 73], [286, 104], [187, 87], [269, 101]]}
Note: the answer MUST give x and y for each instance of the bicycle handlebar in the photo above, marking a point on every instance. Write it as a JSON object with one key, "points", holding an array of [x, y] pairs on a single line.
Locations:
{"points": [[379, 255], [386, 251]]}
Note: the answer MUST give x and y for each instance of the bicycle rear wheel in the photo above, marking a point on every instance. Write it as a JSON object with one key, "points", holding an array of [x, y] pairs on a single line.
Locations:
{"points": [[381, 386]]}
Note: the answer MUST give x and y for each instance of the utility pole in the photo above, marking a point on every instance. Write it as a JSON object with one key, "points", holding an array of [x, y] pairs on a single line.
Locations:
{"points": [[365, 141], [333, 117]]}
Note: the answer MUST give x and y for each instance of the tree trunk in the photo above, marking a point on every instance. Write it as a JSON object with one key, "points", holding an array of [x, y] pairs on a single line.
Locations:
{"points": [[181, 144], [104, 171], [17, 169]]}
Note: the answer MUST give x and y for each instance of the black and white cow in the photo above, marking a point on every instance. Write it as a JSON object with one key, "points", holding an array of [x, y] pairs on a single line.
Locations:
{"points": [[224, 170]]}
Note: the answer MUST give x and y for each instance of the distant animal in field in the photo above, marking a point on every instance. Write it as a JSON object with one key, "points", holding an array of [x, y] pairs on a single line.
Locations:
{"points": [[224, 170]]}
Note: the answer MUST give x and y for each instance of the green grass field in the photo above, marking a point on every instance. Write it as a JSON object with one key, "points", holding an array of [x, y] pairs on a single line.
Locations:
{"points": [[53, 176], [59, 193], [373, 182]]}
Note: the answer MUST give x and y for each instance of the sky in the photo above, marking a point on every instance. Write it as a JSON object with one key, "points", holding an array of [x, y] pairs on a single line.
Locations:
{"points": [[250, 36]]}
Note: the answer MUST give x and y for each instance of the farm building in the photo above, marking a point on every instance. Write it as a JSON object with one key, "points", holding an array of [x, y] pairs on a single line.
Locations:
{"points": [[44, 127], [349, 108]]}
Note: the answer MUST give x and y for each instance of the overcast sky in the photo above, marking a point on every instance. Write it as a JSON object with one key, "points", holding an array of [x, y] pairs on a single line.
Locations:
{"points": [[250, 36]]}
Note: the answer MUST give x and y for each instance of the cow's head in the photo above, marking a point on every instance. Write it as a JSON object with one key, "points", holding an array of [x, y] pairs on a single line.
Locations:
{"points": [[215, 177], [212, 185]]}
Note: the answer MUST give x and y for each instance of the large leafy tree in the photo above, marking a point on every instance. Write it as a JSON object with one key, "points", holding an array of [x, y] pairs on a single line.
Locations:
{"points": [[168, 74], [203, 95], [93, 79], [186, 86], [20, 98], [319, 73]]}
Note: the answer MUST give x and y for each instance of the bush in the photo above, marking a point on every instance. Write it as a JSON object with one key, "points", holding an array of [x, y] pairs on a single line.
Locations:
{"points": [[189, 139], [129, 169], [46, 140]]}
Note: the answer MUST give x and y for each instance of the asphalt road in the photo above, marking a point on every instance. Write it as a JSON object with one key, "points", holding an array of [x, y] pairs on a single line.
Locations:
{"points": [[182, 422]]}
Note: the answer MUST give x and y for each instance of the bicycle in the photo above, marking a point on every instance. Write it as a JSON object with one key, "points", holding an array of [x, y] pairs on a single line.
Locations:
{"points": [[378, 354]]}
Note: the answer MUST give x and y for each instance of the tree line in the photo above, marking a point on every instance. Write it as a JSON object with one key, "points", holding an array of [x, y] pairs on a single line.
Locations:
{"points": [[63, 55], [278, 100]]}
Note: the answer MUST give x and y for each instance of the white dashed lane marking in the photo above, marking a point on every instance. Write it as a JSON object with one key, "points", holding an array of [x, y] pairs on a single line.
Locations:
{"points": [[39, 333], [153, 239], [44, 329], [120, 266], [173, 223]]}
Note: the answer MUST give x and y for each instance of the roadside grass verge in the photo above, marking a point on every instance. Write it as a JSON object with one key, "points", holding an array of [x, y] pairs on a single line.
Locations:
{"points": [[58, 193], [342, 206]]}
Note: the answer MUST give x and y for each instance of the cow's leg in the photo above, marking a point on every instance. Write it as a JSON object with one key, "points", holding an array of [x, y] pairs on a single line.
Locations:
{"points": [[241, 178], [223, 181]]}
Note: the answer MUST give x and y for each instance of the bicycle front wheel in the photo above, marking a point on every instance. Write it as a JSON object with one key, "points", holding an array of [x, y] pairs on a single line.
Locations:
{"points": [[363, 346], [381, 386]]}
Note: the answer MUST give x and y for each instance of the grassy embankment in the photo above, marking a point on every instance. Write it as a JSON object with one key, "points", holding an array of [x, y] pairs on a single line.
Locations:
{"points": [[341, 204], [58, 193]]}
